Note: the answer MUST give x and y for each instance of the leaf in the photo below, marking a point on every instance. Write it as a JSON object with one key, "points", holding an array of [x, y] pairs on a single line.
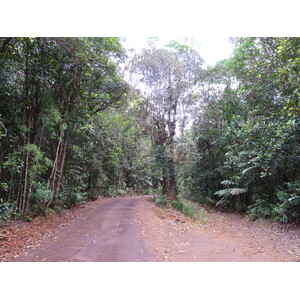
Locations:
{"points": [[237, 191], [222, 192], [248, 169], [230, 192], [227, 182]]}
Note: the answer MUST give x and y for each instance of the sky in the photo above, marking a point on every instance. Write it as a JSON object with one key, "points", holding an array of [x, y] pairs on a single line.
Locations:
{"points": [[212, 49]]}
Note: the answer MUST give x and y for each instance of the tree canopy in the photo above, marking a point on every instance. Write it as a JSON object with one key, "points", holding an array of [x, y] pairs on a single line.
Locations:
{"points": [[74, 125]]}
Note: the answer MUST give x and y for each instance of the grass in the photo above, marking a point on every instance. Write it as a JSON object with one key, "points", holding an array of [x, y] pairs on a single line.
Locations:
{"points": [[191, 209]]}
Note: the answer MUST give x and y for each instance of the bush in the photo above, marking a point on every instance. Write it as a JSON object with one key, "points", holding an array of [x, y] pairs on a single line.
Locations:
{"points": [[261, 209], [41, 196], [148, 192], [111, 191], [186, 207], [177, 204], [42, 193], [202, 216], [288, 208], [6, 211], [161, 200], [76, 198], [189, 210], [121, 192]]}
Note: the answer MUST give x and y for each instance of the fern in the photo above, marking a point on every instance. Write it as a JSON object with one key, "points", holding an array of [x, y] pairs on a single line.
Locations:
{"points": [[248, 169], [226, 193], [222, 193], [237, 191], [227, 182]]}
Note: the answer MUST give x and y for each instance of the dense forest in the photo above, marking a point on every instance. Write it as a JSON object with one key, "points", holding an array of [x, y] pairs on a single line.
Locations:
{"points": [[82, 118]]}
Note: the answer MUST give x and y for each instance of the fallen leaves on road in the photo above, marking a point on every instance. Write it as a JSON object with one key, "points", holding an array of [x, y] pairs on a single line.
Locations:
{"points": [[223, 237], [20, 236]]}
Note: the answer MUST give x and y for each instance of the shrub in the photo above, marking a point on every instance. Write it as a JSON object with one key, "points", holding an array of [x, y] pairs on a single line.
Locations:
{"points": [[121, 192], [202, 216], [111, 191], [185, 207], [148, 192], [177, 204], [261, 209], [40, 196], [288, 208], [189, 210], [161, 200], [76, 198], [6, 210]]}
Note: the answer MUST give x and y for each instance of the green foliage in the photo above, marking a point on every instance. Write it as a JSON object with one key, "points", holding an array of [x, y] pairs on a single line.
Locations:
{"points": [[227, 194], [261, 209], [71, 128], [186, 207], [41, 195], [148, 191], [28, 219], [189, 210], [6, 211], [288, 207], [121, 192], [53, 91], [178, 47], [76, 198], [111, 191], [4, 186], [161, 200], [39, 163], [247, 134], [177, 204], [202, 216], [49, 211]]}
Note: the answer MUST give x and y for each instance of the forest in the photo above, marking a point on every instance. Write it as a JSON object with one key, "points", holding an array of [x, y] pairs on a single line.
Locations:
{"points": [[82, 118]]}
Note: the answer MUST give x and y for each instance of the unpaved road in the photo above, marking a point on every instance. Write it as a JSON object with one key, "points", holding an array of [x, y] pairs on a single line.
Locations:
{"points": [[108, 233], [134, 229], [216, 237]]}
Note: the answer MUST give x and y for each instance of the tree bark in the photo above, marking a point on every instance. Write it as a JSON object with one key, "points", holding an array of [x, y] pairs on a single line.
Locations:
{"points": [[23, 199], [56, 176], [60, 172], [169, 179]]}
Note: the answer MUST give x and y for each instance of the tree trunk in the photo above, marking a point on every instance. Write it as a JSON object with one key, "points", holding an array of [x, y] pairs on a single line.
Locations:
{"points": [[60, 172], [24, 193], [22, 204], [56, 176], [171, 186], [169, 179], [51, 179], [1, 159]]}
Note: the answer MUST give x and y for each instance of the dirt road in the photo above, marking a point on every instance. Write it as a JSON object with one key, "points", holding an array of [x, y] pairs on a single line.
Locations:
{"points": [[108, 233], [134, 229], [216, 237]]}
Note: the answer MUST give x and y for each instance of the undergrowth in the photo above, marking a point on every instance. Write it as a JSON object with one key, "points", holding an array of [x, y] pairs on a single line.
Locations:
{"points": [[190, 209]]}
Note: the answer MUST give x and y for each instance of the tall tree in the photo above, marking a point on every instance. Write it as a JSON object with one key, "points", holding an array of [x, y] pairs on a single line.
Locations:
{"points": [[168, 78], [246, 140], [50, 88]]}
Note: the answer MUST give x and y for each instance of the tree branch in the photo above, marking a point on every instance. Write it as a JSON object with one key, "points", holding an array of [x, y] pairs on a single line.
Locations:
{"points": [[5, 130]]}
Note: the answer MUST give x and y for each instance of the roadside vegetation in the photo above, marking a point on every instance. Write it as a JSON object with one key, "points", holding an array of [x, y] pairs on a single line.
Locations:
{"points": [[80, 118]]}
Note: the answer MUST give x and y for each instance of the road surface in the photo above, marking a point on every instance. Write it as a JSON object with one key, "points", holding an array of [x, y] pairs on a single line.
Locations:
{"points": [[108, 233]]}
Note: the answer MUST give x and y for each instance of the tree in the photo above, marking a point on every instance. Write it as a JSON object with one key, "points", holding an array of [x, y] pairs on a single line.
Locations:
{"points": [[246, 140], [168, 78], [51, 89]]}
